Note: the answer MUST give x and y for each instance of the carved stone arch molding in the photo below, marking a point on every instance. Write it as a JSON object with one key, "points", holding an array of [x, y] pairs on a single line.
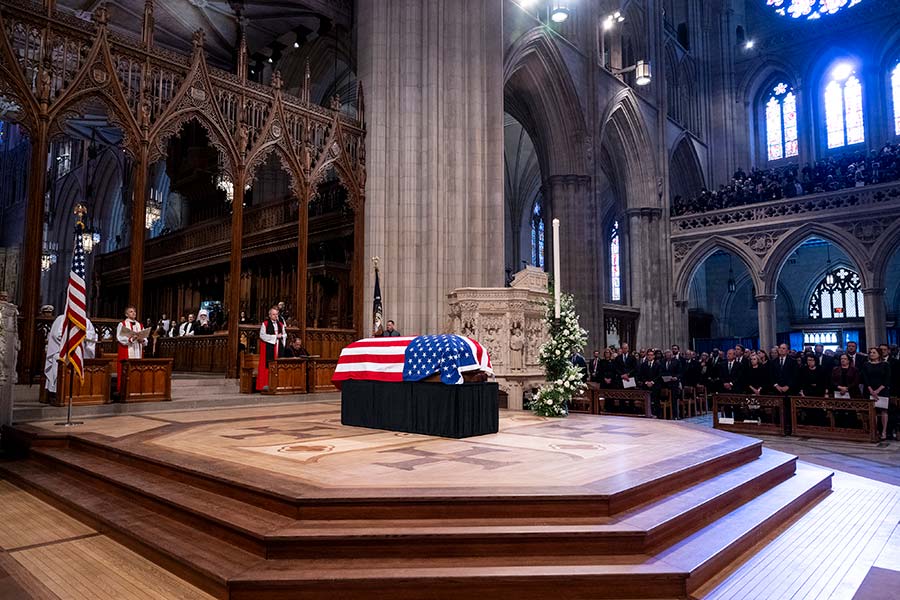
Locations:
{"points": [[700, 251], [540, 94], [624, 134], [776, 258], [97, 80], [883, 250]]}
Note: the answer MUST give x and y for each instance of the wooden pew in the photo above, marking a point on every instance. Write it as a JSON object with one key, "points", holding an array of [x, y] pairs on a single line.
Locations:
{"points": [[95, 389], [146, 380], [770, 410], [615, 402], [835, 418], [586, 402], [321, 372]]}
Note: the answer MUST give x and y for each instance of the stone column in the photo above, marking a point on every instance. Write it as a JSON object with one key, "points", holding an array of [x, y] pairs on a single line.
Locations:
{"points": [[766, 314], [572, 203], [680, 326], [647, 284], [433, 75], [876, 317]]}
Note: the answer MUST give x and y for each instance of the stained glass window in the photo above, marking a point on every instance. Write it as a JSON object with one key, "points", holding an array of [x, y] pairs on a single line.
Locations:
{"points": [[844, 112], [781, 122], [895, 93], [615, 274], [838, 296], [537, 235], [809, 9]]}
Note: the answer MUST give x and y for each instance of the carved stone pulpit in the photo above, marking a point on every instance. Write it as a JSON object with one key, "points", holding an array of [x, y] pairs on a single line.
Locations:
{"points": [[509, 323]]}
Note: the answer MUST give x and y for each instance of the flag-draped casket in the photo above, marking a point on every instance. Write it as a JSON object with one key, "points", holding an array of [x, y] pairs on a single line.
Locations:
{"points": [[420, 384]]}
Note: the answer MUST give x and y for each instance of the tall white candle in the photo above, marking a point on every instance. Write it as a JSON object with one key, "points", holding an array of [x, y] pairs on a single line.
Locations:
{"points": [[557, 276]]}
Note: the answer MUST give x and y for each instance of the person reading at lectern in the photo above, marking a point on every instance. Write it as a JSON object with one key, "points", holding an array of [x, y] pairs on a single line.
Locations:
{"points": [[272, 336], [131, 345], [54, 344]]}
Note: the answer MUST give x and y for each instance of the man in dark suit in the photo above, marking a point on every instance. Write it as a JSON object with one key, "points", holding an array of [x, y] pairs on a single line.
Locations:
{"points": [[856, 359], [784, 371], [624, 365], [671, 373], [594, 367], [650, 378], [741, 356], [712, 372], [692, 373], [730, 373], [823, 361]]}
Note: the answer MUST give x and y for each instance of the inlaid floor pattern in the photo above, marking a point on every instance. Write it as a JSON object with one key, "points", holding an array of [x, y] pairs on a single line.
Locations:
{"points": [[283, 501]]}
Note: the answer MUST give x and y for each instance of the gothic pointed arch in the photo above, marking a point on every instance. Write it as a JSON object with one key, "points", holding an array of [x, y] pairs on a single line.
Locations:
{"points": [[540, 94], [700, 253], [196, 100], [786, 245], [96, 81], [633, 168], [685, 173]]}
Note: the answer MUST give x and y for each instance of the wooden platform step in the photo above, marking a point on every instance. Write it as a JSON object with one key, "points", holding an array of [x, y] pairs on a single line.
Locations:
{"points": [[234, 571], [192, 554], [277, 536], [668, 574]]}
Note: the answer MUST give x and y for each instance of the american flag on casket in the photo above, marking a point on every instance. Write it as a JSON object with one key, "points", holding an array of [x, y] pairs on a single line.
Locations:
{"points": [[412, 359]]}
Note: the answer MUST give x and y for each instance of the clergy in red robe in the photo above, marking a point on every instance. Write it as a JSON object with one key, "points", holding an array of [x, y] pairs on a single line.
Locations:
{"points": [[272, 336], [129, 345]]}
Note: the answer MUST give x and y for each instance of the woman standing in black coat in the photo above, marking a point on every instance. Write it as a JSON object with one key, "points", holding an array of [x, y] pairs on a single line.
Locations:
{"points": [[811, 378], [877, 379]]}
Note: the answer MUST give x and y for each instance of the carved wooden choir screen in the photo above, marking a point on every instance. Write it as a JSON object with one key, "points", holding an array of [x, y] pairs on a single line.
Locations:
{"points": [[53, 65]]}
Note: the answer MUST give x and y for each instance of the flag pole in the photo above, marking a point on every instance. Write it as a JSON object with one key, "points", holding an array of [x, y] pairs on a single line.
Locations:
{"points": [[69, 422], [80, 211]]}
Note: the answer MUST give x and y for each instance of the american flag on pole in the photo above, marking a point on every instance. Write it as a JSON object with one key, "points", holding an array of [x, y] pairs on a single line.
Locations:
{"points": [[377, 309], [396, 359], [75, 324]]}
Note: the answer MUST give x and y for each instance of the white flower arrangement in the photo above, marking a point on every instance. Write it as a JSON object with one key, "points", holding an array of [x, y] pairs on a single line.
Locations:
{"points": [[564, 380]]}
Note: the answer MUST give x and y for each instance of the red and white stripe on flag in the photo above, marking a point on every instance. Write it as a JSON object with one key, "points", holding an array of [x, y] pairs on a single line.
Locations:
{"points": [[374, 359], [382, 358], [75, 325]]}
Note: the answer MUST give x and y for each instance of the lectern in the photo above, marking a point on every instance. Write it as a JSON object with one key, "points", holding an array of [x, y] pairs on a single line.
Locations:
{"points": [[146, 380]]}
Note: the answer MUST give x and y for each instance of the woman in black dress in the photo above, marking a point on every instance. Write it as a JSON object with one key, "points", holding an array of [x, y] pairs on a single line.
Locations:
{"points": [[756, 379], [876, 382], [811, 378]]}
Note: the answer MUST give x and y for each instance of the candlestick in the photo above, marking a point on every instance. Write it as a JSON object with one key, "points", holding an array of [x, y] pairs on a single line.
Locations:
{"points": [[557, 278]]}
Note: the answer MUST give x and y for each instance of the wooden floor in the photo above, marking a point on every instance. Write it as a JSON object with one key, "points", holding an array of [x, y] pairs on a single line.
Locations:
{"points": [[255, 502]]}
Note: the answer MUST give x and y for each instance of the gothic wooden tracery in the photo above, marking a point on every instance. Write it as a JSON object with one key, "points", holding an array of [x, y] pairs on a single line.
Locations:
{"points": [[53, 65]]}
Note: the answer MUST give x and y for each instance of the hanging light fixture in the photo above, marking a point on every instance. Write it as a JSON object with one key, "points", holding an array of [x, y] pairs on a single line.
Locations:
{"points": [[731, 285], [559, 10], [153, 211], [642, 72]]}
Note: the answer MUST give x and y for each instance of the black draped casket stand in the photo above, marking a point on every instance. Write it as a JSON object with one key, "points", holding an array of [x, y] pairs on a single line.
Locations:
{"points": [[453, 411]]}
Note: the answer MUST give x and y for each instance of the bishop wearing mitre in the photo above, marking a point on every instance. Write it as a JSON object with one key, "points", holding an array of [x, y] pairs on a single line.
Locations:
{"points": [[130, 346], [272, 336]]}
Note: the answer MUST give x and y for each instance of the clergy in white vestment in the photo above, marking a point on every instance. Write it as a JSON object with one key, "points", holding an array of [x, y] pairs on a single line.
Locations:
{"points": [[129, 346], [54, 345]]}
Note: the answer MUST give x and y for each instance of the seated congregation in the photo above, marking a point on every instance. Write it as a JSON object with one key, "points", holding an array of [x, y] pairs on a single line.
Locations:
{"points": [[675, 383]]}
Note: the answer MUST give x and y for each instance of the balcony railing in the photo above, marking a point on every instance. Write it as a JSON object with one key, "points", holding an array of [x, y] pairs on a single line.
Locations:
{"points": [[872, 198]]}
